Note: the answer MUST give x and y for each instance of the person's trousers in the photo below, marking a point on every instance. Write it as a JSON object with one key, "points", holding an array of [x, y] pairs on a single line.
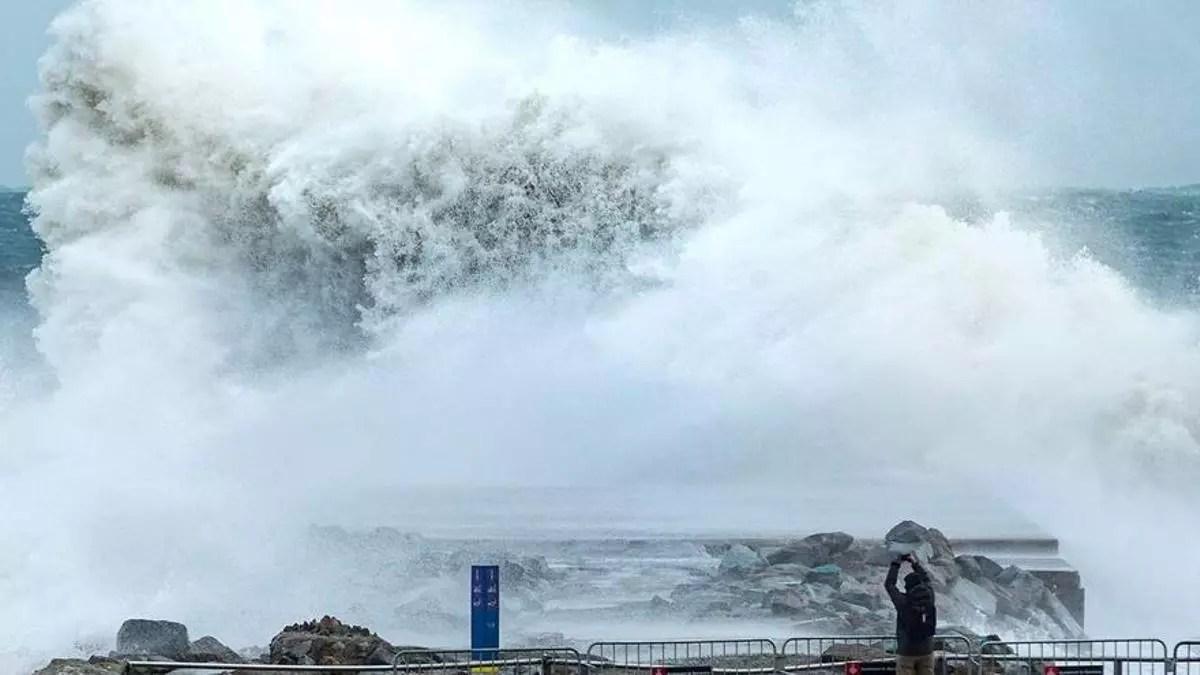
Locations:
{"points": [[914, 665]]}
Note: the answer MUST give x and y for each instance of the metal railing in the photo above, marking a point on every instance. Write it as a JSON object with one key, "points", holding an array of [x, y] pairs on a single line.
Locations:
{"points": [[955, 654], [751, 655], [834, 654], [1186, 658], [1076, 657], [527, 661], [831, 654]]}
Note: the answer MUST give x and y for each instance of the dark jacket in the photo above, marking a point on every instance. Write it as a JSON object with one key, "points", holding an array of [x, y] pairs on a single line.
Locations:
{"points": [[916, 611]]}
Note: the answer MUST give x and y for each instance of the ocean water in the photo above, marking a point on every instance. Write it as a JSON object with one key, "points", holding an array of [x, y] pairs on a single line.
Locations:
{"points": [[20, 249], [472, 268]]}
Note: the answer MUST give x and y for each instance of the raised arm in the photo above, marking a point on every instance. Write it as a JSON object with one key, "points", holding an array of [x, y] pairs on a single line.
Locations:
{"points": [[890, 584]]}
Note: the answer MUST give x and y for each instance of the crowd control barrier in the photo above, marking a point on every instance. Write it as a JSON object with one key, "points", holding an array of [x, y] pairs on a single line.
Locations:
{"points": [[1076, 657], [845, 655], [752, 655]]}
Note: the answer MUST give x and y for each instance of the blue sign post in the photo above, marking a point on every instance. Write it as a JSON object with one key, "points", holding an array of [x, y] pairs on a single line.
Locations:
{"points": [[485, 612]]}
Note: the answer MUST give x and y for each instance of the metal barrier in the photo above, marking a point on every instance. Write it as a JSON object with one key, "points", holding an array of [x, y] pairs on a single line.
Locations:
{"points": [[798, 655], [531, 661], [1186, 658], [724, 656], [1076, 657], [833, 654]]}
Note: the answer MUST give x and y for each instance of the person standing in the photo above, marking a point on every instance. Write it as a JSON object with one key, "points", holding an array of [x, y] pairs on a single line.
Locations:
{"points": [[916, 617]]}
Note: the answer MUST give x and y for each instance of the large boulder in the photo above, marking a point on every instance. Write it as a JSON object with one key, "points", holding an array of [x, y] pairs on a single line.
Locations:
{"points": [[1062, 615], [149, 638], [208, 649], [852, 651], [978, 568], [975, 596], [808, 600], [856, 593], [929, 545], [787, 603], [957, 640], [1023, 588], [828, 575], [329, 642], [530, 572], [1023, 596], [740, 560], [814, 550]]}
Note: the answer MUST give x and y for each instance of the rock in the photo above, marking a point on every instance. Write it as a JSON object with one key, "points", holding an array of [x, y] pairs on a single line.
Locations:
{"points": [[1007, 605], [208, 649], [1061, 615], [792, 572], [740, 560], [814, 550], [852, 652], [968, 567], [1024, 588], [991, 645], [928, 544], [829, 575], [717, 550], [787, 603], [513, 574], [144, 637], [1023, 596], [906, 536], [853, 560], [329, 642], [975, 595], [832, 543], [879, 556], [957, 640], [1067, 586], [96, 665], [855, 593], [977, 567]]}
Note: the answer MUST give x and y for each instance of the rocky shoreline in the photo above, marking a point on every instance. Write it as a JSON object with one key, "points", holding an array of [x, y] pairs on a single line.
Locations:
{"points": [[821, 585], [831, 584]]}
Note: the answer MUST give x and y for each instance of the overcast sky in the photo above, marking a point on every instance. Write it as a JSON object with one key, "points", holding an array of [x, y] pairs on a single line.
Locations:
{"points": [[1107, 94], [23, 26]]}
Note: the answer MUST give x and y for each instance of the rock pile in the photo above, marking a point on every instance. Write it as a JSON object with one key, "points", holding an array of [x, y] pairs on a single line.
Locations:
{"points": [[329, 642], [830, 583]]}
